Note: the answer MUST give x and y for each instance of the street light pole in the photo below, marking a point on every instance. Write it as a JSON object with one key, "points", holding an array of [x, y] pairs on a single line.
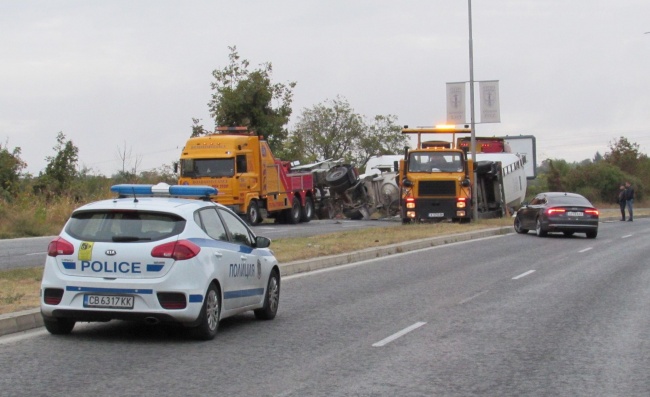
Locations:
{"points": [[473, 123]]}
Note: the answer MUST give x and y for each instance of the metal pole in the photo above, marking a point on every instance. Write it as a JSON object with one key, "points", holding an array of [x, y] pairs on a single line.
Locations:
{"points": [[473, 124]]}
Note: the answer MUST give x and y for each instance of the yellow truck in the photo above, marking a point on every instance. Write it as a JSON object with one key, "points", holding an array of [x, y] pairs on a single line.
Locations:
{"points": [[436, 178], [248, 178]]}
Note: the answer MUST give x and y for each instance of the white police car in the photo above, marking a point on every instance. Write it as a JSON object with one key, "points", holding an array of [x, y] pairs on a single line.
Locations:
{"points": [[148, 256]]}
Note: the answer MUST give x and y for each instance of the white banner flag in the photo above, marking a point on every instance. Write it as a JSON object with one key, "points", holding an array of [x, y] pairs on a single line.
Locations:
{"points": [[456, 103], [490, 111]]}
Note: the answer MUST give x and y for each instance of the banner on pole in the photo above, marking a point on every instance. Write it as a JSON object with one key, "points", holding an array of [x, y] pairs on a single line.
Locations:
{"points": [[490, 111], [456, 103]]}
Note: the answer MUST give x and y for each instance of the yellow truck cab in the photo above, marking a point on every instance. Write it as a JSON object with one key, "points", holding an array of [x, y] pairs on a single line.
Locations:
{"points": [[435, 178]]}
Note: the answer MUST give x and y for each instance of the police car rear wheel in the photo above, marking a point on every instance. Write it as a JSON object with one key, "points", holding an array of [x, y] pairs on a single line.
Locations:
{"points": [[58, 326], [209, 317], [271, 299]]}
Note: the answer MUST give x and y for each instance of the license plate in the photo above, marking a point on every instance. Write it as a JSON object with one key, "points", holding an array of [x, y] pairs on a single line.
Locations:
{"points": [[109, 301], [570, 213], [436, 214]]}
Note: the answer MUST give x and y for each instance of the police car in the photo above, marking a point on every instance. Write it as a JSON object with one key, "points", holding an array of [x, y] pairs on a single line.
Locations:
{"points": [[153, 255]]}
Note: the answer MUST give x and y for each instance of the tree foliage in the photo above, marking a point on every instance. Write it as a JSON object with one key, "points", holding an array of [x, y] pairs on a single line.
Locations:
{"points": [[61, 169], [249, 98], [625, 155], [599, 182], [11, 165], [333, 130]]}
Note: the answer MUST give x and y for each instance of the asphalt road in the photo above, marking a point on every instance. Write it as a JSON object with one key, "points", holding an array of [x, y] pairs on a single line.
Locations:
{"points": [[514, 315], [31, 252]]}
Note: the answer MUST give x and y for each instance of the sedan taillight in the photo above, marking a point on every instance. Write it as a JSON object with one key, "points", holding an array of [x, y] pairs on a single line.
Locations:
{"points": [[592, 211], [551, 211], [178, 250], [59, 246]]}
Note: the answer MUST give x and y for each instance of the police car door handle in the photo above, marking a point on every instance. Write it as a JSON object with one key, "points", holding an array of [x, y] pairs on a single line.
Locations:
{"points": [[218, 254], [243, 257]]}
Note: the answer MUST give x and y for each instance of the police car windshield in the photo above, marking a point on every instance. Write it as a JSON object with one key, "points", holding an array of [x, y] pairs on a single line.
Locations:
{"points": [[123, 226], [215, 168]]}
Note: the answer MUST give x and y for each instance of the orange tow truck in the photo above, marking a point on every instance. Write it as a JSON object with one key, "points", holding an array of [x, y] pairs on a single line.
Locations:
{"points": [[249, 179]]}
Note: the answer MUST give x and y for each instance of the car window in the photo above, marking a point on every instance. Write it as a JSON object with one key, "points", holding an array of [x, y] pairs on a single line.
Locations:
{"points": [[210, 222], [123, 226], [238, 230], [570, 200]]}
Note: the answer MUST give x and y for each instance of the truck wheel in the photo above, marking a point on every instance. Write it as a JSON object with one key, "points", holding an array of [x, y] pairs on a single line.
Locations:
{"points": [[295, 212], [307, 212], [355, 215], [337, 179], [253, 213]]}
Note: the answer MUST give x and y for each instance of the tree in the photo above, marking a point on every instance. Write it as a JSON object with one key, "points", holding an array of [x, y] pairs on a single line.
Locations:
{"points": [[597, 157], [383, 136], [333, 130], [197, 128], [61, 169], [598, 182], [328, 131], [557, 169], [249, 98], [11, 166], [130, 174], [625, 155]]}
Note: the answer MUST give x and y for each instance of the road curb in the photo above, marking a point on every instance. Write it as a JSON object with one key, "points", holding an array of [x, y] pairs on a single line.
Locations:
{"points": [[11, 323], [28, 319]]}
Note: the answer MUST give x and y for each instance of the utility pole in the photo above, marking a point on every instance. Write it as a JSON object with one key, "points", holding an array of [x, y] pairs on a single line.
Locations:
{"points": [[472, 120]]}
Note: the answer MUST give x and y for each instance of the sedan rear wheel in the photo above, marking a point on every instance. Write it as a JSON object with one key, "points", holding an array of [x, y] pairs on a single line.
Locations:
{"points": [[539, 230], [592, 234]]}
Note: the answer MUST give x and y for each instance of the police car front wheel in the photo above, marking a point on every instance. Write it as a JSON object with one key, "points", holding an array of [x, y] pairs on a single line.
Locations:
{"points": [[271, 299]]}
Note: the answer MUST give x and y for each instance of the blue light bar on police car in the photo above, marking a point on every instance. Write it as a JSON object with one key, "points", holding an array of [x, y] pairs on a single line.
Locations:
{"points": [[163, 189]]}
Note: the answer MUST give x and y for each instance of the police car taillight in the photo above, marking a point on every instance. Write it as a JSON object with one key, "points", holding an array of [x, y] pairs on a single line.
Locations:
{"points": [[177, 250], [59, 246]]}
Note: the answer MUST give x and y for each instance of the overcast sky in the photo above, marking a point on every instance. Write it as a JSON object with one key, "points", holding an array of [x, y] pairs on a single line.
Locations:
{"points": [[132, 74]]}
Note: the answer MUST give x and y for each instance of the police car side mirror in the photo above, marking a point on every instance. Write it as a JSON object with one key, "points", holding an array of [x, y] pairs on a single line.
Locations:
{"points": [[262, 242]]}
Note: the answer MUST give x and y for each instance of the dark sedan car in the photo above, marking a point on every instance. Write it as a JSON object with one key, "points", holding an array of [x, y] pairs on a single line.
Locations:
{"points": [[568, 213]]}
